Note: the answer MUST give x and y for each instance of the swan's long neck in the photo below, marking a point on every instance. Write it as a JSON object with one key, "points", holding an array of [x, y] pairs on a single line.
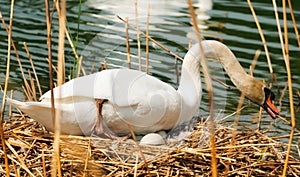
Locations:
{"points": [[250, 86], [190, 85]]}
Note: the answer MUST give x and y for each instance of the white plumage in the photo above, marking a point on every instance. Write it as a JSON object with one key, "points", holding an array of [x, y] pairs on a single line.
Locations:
{"points": [[135, 98]]}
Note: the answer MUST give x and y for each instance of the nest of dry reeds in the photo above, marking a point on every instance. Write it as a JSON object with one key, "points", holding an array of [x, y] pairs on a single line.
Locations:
{"points": [[251, 153]]}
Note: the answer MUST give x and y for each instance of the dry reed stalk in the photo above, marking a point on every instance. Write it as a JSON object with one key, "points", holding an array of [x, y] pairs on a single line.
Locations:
{"points": [[208, 82], [10, 106], [81, 67], [53, 67], [33, 68], [286, 59], [251, 70], [137, 143], [294, 22], [88, 154], [61, 8], [237, 117], [44, 164], [262, 38], [280, 104], [127, 43], [50, 65], [26, 93], [282, 96], [20, 161], [232, 114], [151, 39], [287, 64], [138, 34], [6, 86], [61, 42], [147, 40], [254, 61], [32, 85], [49, 44], [17, 56], [176, 72], [285, 136]]}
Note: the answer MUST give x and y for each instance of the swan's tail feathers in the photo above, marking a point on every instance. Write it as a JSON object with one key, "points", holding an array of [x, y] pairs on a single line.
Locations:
{"points": [[40, 111], [77, 118], [18, 104], [28, 107]]}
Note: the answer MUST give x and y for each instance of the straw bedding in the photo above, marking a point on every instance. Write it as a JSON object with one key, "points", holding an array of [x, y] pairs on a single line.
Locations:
{"points": [[250, 153]]}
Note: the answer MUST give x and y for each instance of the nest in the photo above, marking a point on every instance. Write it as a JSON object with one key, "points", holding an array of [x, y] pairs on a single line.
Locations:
{"points": [[252, 153]]}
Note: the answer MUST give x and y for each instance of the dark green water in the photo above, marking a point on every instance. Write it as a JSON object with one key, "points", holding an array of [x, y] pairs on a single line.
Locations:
{"points": [[102, 38]]}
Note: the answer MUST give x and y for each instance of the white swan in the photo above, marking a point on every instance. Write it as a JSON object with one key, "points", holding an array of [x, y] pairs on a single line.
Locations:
{"points": [[118, 97]]}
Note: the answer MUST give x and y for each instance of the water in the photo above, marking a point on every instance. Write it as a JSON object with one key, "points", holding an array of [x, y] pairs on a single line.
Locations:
{"points": [[102, 38]]}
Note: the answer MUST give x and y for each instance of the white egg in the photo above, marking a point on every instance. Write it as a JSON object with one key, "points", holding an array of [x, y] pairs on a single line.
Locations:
{"points": [[152, 139]]}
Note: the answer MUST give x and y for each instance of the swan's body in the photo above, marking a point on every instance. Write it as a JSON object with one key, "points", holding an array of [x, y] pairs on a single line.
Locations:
{"points": [[135, 98]]}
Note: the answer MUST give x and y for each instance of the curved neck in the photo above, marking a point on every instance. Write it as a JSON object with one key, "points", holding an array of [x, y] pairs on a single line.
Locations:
{"points": [[190, 85], [219, 51], [250, 86]]}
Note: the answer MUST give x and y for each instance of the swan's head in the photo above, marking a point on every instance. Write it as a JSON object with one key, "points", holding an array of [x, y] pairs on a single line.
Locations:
{"points": [[268, 104], [257, 92]]}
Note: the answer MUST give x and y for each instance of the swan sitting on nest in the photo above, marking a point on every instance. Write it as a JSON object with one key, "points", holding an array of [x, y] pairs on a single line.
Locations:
{"points": [[114, 98]]}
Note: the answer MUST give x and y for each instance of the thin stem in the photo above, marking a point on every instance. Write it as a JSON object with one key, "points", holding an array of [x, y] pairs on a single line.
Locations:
{"points": [[6, 87], [33, 68], [151, 39], [18, 58], [147, 40], [48, 21], [294, 23], [76, 64], [209, 89], [287, 64], [60, 80], [61, 44], [127, 44], [262, 38], [138, 34]]}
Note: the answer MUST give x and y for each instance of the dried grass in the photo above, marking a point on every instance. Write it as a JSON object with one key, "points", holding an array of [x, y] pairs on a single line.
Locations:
{"points": [[30, 151]]}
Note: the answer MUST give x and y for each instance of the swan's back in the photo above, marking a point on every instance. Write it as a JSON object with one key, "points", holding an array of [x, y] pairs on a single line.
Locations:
{"points": [[123, 87], [97, 85]]}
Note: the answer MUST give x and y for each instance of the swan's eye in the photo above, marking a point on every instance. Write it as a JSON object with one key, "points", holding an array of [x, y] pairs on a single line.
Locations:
{"points": [[269, 94], [272, 96]]}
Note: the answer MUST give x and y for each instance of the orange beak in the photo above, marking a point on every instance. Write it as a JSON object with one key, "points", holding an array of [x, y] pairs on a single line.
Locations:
{"points": [[270, 107]]}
